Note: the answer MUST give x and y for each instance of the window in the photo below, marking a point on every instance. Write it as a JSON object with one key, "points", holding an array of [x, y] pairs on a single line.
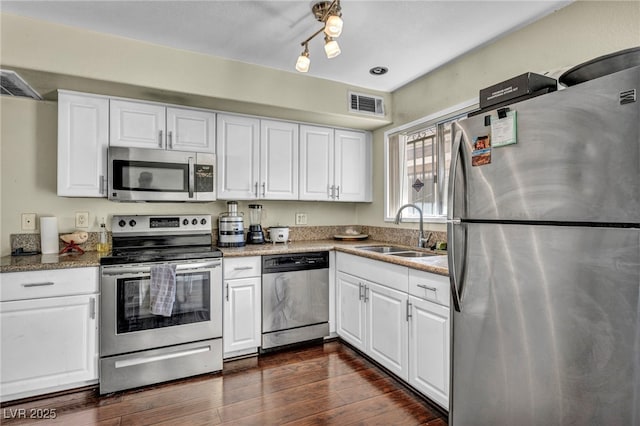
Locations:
{"points": [[417, 165]]}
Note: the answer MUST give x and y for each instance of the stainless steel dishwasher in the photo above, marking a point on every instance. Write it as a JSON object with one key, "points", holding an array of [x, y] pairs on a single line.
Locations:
{"points": [[295, 298]]}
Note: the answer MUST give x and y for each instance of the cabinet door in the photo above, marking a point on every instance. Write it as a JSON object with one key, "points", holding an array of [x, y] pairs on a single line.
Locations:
{"points": [[388, 328], [48, 344], [137, 125], [242, 315], [352, 166], [350, 310], [429, 349], [191, 130], [238, 156], [279, 143], [83, 139], [316, 163]]}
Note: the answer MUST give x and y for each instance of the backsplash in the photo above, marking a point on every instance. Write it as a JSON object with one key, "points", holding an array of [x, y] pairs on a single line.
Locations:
{"points": [[409, 237]]}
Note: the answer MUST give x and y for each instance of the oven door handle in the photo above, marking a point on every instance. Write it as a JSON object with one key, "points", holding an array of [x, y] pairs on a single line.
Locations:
{"points": [[184, 267]]}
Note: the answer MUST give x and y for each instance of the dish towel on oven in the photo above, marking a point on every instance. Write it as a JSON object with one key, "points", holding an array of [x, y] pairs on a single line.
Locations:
{"points": [[163, 289]]}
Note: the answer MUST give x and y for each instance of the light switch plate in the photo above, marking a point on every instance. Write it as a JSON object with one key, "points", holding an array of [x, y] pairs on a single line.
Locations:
{"points": [[28, 222], [301, 218], [82, 219]]}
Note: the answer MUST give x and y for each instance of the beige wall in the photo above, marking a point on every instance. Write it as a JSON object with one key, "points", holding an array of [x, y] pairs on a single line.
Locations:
{"points": [[570, 36]]}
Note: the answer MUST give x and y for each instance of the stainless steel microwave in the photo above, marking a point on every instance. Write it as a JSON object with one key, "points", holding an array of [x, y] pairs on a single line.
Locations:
{"points": [[140, 174]]}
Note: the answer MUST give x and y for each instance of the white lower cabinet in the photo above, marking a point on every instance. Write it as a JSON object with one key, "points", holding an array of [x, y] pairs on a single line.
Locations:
{"points": [[242, 321], [350, 312], [49, 332], [399, 317], [373, 317], [388, 328], [429, 349]]}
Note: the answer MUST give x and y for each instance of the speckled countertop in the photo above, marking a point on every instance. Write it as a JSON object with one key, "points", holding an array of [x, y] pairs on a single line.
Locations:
{"points": [[436, 264]]}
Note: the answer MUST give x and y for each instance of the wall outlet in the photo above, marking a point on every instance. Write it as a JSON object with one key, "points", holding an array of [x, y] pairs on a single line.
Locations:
{"points": [[28, 221], [82, 219], [301, 218]]}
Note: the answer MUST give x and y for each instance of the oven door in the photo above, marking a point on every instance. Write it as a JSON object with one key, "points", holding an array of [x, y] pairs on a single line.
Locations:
{"points": [[137, 174], [127, 324]]}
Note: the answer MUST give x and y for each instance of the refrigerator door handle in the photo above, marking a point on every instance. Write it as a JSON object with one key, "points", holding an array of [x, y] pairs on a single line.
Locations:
{"points": [[455, 155], [453, 278]]}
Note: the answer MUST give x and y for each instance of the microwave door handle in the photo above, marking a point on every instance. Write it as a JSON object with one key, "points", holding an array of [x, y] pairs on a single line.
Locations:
{"points": [[191, 177]]}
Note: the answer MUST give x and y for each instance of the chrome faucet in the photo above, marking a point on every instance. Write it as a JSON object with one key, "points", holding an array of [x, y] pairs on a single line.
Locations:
{"points": [[422, 241]]}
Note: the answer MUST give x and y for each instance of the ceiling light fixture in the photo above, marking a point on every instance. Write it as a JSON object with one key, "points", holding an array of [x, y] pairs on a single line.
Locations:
{"points": [[329, 13], [331, 47], [303, 62]]}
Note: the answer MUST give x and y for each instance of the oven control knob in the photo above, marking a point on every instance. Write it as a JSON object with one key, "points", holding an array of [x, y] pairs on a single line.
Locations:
{"points": [[194, 222], [132, 222], [122, 223], [185, 222], [203, 222]]}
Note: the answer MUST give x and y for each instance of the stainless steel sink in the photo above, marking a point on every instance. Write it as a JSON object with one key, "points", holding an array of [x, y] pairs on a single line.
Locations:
{"points": [[412, 254], [383, 249]]}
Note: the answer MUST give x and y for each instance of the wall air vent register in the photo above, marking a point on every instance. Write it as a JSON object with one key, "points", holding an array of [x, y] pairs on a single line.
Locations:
{"points": [[365, 104]]}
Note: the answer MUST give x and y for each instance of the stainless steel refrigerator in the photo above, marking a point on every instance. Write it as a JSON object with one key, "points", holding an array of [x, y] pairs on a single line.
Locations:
{"points": [[544, 259]]}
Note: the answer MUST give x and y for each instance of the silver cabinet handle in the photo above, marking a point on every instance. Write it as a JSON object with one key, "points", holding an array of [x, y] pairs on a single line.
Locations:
{"points": [[192, 178], [242, 268], [101, 190], [160, 139], [332, 195], [227, 289], [338, 192], [170, 135], [426, 287], [264, 189], [359, 291], [38, 284], [256, 189], [409, 310], [92, 308], [366, 293]]}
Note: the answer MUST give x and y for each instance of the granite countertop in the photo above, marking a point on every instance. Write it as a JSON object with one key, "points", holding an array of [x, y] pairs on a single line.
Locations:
{"points": [[436, 264]]}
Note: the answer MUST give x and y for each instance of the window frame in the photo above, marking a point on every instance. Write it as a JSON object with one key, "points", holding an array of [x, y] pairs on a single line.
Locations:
{"points": [[430, 120]]}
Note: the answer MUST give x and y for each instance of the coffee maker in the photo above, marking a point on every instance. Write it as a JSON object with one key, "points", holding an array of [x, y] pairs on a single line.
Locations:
{"points": [[255, 235]]}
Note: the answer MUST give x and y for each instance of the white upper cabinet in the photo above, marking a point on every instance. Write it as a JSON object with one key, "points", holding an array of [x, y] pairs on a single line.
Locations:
{"points": [[137, 125], [335, 165], [316, 163], [147, 125], [83, 139], [237, 144], [279, 143], [352, 168], [257, 159], [191, 130]]}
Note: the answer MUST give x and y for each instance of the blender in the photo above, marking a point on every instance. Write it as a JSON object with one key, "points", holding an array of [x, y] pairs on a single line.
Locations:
{"points": [[255, 234]]}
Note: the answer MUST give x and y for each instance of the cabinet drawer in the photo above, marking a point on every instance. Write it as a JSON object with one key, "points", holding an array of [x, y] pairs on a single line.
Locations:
{"points": [[242, 267], [51, 283], [387, 274], [429, 286]]}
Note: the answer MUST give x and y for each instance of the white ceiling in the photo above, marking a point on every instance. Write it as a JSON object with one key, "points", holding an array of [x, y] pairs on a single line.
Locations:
{"points": [[411, 38]]}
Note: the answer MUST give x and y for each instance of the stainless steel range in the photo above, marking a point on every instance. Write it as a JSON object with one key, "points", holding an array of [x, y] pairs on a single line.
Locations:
{"points": [[161, 301]]}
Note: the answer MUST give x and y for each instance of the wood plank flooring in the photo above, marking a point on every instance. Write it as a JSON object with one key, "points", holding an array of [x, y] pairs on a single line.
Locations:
{"points": [[326, 384]]}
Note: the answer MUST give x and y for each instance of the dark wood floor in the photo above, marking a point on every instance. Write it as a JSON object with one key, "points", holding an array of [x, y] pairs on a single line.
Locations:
{"points": [[324, 384]]}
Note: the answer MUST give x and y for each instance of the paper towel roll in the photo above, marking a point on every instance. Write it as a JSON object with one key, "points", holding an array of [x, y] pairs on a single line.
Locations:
{"points": [[49, 234]]}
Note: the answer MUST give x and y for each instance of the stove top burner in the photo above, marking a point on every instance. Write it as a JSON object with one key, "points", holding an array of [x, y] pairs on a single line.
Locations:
{"points": [[139, 239], [122, 256]]}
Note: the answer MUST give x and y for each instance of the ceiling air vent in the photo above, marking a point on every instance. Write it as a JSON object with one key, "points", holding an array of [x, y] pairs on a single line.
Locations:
{"points": [[13, 85], [366, 104]]}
